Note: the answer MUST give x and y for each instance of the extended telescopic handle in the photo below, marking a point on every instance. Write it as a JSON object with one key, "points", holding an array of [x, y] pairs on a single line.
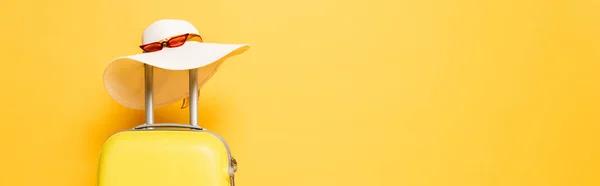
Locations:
{"points": [[149, 102]]}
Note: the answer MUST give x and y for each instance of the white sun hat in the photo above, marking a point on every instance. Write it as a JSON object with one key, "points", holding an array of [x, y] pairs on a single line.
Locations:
{"points": [[124, 76]]}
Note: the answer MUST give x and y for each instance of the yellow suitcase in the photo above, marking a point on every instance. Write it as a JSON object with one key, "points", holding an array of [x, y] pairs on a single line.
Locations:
{"points": [[167, 154]]}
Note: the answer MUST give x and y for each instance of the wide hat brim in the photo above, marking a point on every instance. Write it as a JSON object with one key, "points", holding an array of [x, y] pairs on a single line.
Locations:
{"points": [[124, 77]]}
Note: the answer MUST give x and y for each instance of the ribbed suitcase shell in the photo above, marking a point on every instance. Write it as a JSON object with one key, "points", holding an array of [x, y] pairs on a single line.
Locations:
{"points": [[164, 158]]}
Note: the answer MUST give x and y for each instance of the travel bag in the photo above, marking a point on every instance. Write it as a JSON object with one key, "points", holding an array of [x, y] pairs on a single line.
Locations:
{"points": [[167, 154]]}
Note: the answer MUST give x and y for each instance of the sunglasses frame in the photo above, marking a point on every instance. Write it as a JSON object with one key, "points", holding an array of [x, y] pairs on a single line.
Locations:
{"points": [[165, 42]]}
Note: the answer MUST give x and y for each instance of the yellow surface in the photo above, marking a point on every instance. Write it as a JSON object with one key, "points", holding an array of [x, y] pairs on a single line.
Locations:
{"points": [[344, 93], [158, 158]]}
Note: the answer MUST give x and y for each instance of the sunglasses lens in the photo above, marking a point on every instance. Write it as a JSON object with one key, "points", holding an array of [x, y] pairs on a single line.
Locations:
{"points": [[152, 47], [177, 41]]}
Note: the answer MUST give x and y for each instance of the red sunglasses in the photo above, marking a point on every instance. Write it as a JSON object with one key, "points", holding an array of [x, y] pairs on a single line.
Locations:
{"points": [[175, 41]]}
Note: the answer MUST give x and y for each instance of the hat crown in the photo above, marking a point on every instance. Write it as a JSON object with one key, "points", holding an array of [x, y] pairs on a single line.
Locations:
{"points": [[166, 28]]}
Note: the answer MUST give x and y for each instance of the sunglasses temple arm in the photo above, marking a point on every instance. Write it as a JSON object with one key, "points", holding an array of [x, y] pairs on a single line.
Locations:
{"points": [[149, 79], [193, 88]]}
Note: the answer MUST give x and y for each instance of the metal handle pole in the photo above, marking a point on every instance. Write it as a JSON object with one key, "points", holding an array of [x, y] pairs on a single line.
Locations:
{"points": [[149, 77], [193, 85]]}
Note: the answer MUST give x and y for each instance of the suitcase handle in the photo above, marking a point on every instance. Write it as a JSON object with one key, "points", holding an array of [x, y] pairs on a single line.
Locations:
{"points": [[146, 126], [149, 101]]}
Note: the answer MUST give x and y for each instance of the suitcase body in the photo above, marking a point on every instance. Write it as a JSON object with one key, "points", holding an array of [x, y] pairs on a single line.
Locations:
{"points": [[165, 157], [166, 154]]}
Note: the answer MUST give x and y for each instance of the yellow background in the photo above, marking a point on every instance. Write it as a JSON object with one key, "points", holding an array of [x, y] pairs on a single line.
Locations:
{"points": [[332, 92]]}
